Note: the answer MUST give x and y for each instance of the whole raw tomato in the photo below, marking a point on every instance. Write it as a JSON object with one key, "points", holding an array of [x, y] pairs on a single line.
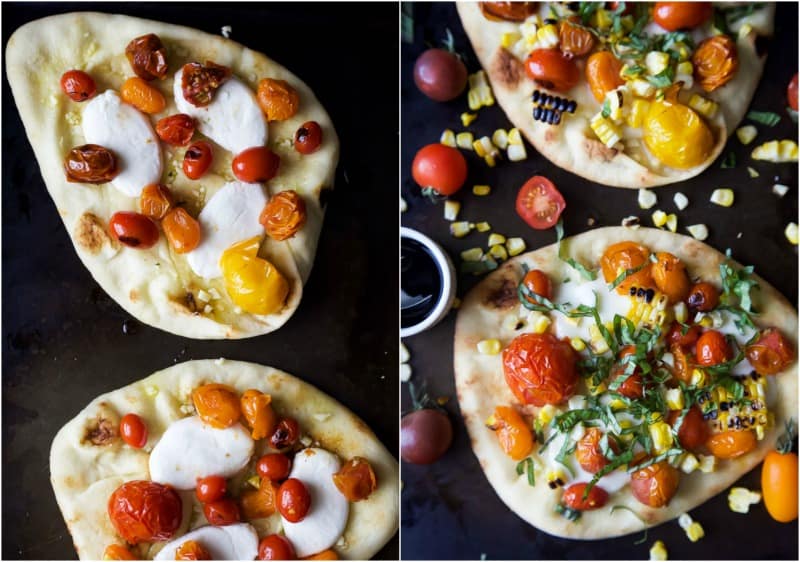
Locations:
{"points": [[540, 369]]}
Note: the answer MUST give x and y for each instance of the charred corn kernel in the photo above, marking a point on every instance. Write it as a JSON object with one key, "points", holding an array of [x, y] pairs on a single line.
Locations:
{"points": [[776, 151], [546, 414], [608, 133], [254, 481], [658, 551], [514, 136], [740, 499], [495, 239], [698, 378], [404, 354], [448, 138], [467, 118], [540, 324], [746, 134], [515, 246], [516, 152], [460, 229], [708, 463], [681, 312], [636, 115], [642, 88], [674, 398], [672, 222], [500, 139], [451, 209], [722, 197], [681, 201], [698, 231], [547, 36], [752, 172], [577, 344], [656, 62], [473, 254], [481, 190], [509, 38], [556, 478], [661, 434], [597, 341], [791, 232], [689, 463], [465, 140], [703, 106], [499, 252], [489, 347], [483, 227], [659, 218]]}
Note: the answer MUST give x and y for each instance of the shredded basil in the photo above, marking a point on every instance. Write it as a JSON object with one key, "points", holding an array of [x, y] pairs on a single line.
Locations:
{"points": [[656, 459], [729, 161], [571, 514], [606, 111], [768, 118], [526, 466], [663, 79], [562, 255], [625, 274], [586, 10]]}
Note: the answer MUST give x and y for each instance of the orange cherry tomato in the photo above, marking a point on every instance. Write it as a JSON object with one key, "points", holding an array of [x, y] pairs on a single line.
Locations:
{"points": [[294, 501], [308, 137], [274, 466], [779, 485], [155, 201], [133, 230], [176, 130], [276, 547], [79, 86], [514, 435], [673, 16], [142, 95], [197, 159], [771, 353], [286, 434], [91, 163], [682, 363], [540, 369], [192, 550], [217, 404], [210, 489], [624, 256], [256, 165], [133, 430], [439, 167], [182, 230], [356, 479], [283, 215], [508, 11], [791, 92], [732, 443], [550, 69], [118, 552], [703, 297], [257, 411], [537, 282], [655, 485], [222, 512], [574, 40], [602, 74], [144, 511], [675, 335], [324, 555], [633, 385], [257, 504], [715, 62], [669, 275], [712, 349], [539, 203], [573, 497], [588, 452], [694, 430], [278, 100]]}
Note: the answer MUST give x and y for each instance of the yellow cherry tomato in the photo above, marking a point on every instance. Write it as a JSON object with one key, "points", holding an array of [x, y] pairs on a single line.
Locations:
{"points": [[676, 135], [779, 485], [253, 283]]}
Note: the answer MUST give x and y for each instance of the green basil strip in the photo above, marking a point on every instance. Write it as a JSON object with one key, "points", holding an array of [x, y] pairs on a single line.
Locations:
{"points": [[624, 275], [526, 465], [768, 118]]}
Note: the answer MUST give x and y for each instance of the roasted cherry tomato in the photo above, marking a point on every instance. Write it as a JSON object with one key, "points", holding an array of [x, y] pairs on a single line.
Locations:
{"points": [[573, 497], [633, 385], [693, 432], [669, 275], [192, 550], [118, 552], [712, 349], [574, 40], [676, 135], [771, 353], [283, 215], [217, 404], [602, 74], [142, 96], [133, 430], [539, 203], [791, 92], [425, 435], [221, 512], [176, 130], [144, 511], [286, 434], [655, 485], [682, 362], [439, 167], [513, 434], [673, 16], [276, 547], [550, 69], [210, 489], [133, 230], [294, 501], [257, 411], [687, 340], [324, 555], [277, 99], [256, 165], [715, 62], [779, 485], [540, 369], [91, 163], [440, 74], [732, 443], [703, 297], [147, 56], [200, 83], [253, 283], [182, 230], [257, 504], [78, 85], [537, 282], [197, 159], [508, 11], [356, 479], [155, 201], [308, 137], [589, 453], [624, 256], [274, 466]]}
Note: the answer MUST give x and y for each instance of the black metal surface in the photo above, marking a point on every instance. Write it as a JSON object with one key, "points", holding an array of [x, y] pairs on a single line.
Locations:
{"points": [[65, 341], [449, 510]]}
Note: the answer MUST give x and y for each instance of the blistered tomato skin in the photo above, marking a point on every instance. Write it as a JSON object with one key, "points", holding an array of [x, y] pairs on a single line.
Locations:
{"points": [[552, 70], [791, 92], [78, 85], [537, 282], [508, 11], [308, 138], [274, 466], [210, 488], [574, 40], [624, 256], [731, 444], [133, 430], [687, 340], [133, 229], [283, 215], [540, 369], [144, 97], [118, 552], [197, 159], [573, 497], [771, 353], [217, 404], [286, 434], [715, 62], [588, 452], [356, 479], [155, 201], [656, 484], [144, 511], [779, 485], [694, 430], [676, 135], [669, 274], [199, 83], [222, 512], [182, 230], [91, 163], [673, 16], [257, 164], [147, 56], [276, 547], [192, 550], [602, 74], [712, 349], [513, 433], [703, 297], [176, 130], [258, 413], [294, 501], [277, 99]]}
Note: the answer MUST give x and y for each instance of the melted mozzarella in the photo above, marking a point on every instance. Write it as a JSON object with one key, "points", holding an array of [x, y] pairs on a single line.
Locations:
{"points": [[233, 120], [229, 217], [191, 449], [327, 517], [583, 292], [123, 129], [230, 542]]}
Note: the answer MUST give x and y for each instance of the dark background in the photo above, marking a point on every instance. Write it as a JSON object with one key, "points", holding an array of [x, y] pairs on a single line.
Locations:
{"points": [[63, 338], [449, 510]]}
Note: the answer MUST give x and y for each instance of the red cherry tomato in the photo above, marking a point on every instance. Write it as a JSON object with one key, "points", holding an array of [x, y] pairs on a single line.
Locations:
{"points": [[440, 167], [274, 466], [712, 349], [540, 369], [276, 547], [222, 512], [79, 86], [294, 501], [308, 137], [633, 385], [539, 203], [176, 129], [673, 16], [694, 430], [537, 282], [256, 165], [133, 229], [133, 430], [791, 92], [552, 70], [573, 497], [675, 336], [197, 159], [771, 353], [210, 489], [144, 511]]}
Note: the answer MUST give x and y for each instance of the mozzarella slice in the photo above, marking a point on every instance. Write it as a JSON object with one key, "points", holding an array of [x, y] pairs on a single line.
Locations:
{"points": [[326, 520], [231, 542], [122, 128], [233, 120], [191, 449], [229, 217]]}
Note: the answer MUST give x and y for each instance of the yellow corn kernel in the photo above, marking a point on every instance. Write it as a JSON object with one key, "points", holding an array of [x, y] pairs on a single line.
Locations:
{"points": [[473, 254], [460, 229], [483, 227], [547, 36], [674, 398], [489, 347], [515, 246], [577, 344], [698, 231], [514, 136], [791, 232], [601, 19], [481, 190], [516, 152], [495, 239], [698, 378], [614, 100], [705, 107], [695, 532], [479, 94], [722, 197], [639, 109], [740, 499], [598, 342], [684, 67], [509, 38], [540, 323], [658, 551], [546, 414], [776, 151], [500, 139], [672, 222], [642, 88], [746, 134], [498, 252], [490, 160], [689, 463], [659, 218], [448, 138], [451, 209], [608, 133], [465, 140], [656, 62], [661, 434], [467, 118], [681, 312], [760, 432], [617, 404], [708, 463]]}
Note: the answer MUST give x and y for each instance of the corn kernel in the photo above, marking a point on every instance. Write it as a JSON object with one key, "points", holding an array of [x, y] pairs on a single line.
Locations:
{"points": [[698, 231], [498, 252], [601, 19], [752, 172], [746, 134], [672, 222], [467, 118], [658, 551], [514, 136], [490, 160], [740, 499], [681, 201], [681, 312], [547, 36], [659, 218], [500, 139], [695, 532], [684, 67], [465, 140], [405, 356], [643, 89], [722, 197], [489, 347], [698, 378], [647, 199], [546, 414], [577, 344], [540, 323], [509, 38], [451, 209], [516, 152], [605, 129], [708, 463], [460, 229], [689, 463], [637, 113], [598, 342], [473, 254], [448, 138], [703, 106], [776, 151], [791, 232], [515, 246], [656, 62], [495, 239], [616, 404], [254, 481], [481, 190], [483, 227], [661, 434], [674, 398]]}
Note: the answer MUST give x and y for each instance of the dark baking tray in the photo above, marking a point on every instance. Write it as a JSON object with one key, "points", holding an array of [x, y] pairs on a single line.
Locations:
{"points": [[448, 509], [65, 341]]}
